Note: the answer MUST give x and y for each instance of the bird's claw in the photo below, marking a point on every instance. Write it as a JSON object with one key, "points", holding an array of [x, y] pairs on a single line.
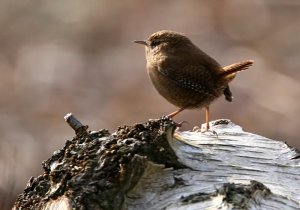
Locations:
{"points": [[205, 130], [180, 123]]}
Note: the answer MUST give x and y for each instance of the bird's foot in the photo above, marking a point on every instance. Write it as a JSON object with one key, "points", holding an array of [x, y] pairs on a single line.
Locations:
{"points": [[166, 117], [181, 123], [210, 132], [205, 130]]}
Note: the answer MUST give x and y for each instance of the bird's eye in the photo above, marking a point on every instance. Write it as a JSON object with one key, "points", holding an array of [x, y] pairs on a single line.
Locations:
{"points": [[155, 43]]}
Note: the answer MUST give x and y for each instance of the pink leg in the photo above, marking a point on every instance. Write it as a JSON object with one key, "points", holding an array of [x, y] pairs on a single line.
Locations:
{"points": [[207, 117], [175, 113]]}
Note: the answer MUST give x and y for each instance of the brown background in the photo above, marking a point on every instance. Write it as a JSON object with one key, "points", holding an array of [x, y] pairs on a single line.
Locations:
{"points": [[77, 56]]}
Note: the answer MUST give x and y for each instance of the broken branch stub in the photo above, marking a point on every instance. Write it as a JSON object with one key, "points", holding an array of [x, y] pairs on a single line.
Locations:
{"points": [[76, 124]]}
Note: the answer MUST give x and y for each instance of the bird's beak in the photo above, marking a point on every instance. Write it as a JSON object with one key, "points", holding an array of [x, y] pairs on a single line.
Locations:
{"points": [[143, 42]]}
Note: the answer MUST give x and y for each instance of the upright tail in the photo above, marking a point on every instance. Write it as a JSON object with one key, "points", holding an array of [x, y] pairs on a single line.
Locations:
{"points": [[236, 67]]}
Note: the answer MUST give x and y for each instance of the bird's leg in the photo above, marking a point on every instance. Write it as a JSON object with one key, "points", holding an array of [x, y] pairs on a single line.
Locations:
{"points": [[207, 129], [207, 117], [175, 113]]}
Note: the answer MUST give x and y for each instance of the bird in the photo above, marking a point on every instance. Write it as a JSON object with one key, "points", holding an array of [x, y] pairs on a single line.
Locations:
{"points": [[186, 76]]}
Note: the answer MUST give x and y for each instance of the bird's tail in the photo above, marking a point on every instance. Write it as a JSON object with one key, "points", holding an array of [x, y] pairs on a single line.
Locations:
{"points": [[231, 70], [229, 73]]}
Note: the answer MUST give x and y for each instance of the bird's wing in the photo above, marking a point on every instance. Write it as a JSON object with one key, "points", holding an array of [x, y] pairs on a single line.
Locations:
{"points": [[193, 77]]}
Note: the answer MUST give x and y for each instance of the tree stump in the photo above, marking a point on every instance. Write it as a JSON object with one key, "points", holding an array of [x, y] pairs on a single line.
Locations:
{"points": [[154, 166]]}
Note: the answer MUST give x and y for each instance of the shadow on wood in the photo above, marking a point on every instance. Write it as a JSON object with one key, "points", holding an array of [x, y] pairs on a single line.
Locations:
{"points": [[152, 166]]}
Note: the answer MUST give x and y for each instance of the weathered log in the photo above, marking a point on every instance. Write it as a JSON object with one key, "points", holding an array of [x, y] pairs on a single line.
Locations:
{"points": [[152, 166]]}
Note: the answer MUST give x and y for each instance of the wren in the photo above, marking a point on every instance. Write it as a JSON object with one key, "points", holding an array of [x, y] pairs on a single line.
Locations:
{"points": [[185, 75]]}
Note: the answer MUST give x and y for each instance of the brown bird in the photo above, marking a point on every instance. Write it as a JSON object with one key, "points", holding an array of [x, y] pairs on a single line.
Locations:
{"points": [[185, 75]]}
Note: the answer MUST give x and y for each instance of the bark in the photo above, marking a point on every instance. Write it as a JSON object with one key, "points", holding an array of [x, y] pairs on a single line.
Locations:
{"points": [[152, 166]]}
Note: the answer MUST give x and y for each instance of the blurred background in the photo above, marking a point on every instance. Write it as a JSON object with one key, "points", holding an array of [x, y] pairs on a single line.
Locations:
{"points": [[77, 56]]}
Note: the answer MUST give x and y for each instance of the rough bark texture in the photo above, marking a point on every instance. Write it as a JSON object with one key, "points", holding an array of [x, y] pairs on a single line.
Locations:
{"points": [[147, 166]]}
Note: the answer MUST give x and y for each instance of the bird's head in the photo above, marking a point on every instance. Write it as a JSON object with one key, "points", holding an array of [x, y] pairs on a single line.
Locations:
{"points": [[164, 42]]}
